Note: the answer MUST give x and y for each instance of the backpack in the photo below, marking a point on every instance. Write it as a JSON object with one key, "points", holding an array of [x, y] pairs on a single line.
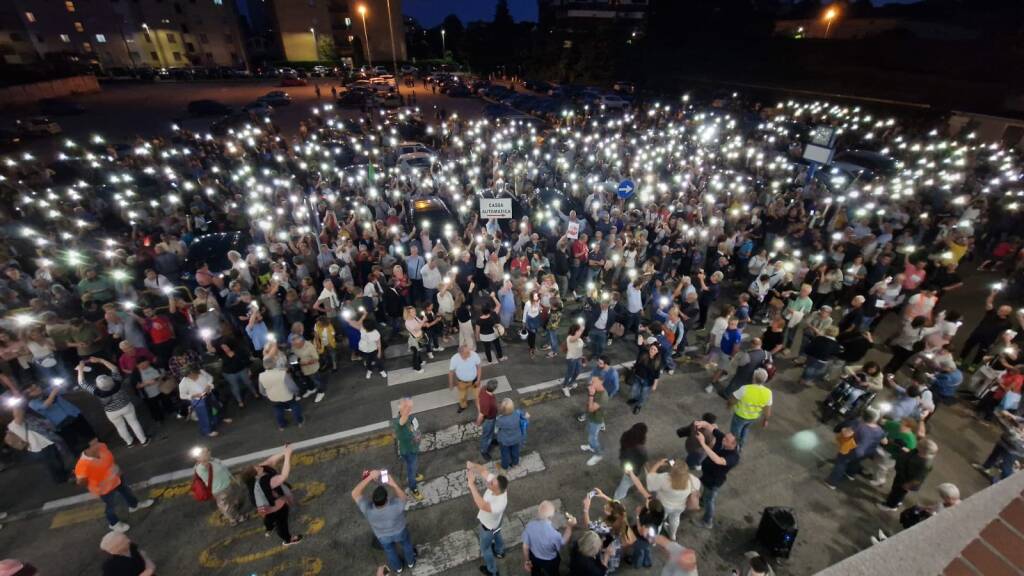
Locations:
{"points": [[201, 492], [768, 364]]}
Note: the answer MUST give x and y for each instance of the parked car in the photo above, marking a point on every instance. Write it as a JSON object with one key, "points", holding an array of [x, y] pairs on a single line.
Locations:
{"points": [[292, 81], [239, 73], [38, 126], [390, 100], [537, 86], [355, 99], [259, 108], [415, 161], [60, 107], [230, 122], [458, 90], [276, 98], [410, 147], [208, 108], [408, 69]]}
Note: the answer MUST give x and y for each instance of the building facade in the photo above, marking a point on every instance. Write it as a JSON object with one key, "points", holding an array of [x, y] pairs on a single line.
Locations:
{"points": [[333, 30], [569, 14], [133, 33]]}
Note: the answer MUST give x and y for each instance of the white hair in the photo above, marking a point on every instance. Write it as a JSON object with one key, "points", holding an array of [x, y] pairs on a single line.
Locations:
{"points": [[546, 510]]}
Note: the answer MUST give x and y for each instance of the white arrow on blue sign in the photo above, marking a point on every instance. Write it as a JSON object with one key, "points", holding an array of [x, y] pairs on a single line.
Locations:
{"points": [[625, 189]]}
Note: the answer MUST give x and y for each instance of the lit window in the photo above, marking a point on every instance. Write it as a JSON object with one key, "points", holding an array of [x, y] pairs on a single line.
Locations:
{"points": [[101, 38], [30, 17], [65, 38], [70, 6], [79, 27], [218, 2]]}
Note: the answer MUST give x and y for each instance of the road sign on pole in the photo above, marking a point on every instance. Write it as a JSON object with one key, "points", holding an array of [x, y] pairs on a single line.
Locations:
{"points": [[625, 189]]}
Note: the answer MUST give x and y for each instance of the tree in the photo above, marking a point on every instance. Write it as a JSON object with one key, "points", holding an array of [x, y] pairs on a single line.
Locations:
{"points": [[325, 48], [502, 15]]}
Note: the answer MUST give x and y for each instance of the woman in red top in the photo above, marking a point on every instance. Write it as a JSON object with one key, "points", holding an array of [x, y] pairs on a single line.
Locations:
{"points": [[1010, 382], [579, 267], [520, 265]]}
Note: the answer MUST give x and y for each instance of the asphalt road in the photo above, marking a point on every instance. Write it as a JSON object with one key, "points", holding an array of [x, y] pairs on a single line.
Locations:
{"points": [[123, 111], [782, 465]]}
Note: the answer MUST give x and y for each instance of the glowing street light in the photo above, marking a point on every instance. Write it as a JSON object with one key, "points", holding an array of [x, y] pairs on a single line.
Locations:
{"points": [[366, 35], [443, 49], [830, 15]]}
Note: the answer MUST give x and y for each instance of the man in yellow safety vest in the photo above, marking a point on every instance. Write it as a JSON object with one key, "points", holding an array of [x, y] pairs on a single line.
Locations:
{"points": [[749, 403]]}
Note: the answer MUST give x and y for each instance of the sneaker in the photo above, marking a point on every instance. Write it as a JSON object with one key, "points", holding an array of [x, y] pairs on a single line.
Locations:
{"points": [[411, 566], [882, 506], [874, 541], [503, 358], [419, 371], [829, 484], [594, 460], [420, 477], [430, 355], [438, 349], [319, 397], [417, 495], [308, 393], [551, 355], [399, 570], [142, 505], [672, 371], [565, 391], [877, 482], [499, 556], [546, 347], [295, 540], [213, 434], [3, 515], [709, 389], [119, 527], [383, 374], [144, 442], [581, 418], [586, 448], [369, 374]]}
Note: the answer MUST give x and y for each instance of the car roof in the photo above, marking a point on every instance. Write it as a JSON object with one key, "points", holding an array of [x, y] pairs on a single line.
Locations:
{"points": [[413, 156]]}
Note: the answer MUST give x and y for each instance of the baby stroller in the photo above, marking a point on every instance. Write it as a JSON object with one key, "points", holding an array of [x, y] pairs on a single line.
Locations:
{"points": [[847, 399]]}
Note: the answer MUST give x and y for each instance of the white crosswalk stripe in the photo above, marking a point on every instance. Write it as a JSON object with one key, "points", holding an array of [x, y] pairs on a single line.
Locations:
{"points": [[406, 375], [445, 397], [463, 545], [447, 437], [453, 485]]}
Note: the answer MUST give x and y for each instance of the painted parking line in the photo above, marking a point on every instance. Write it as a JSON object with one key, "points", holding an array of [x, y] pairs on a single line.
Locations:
{"points": [[445, 397], [463, 546], [585, 374], [406, 375], [453, 485]]}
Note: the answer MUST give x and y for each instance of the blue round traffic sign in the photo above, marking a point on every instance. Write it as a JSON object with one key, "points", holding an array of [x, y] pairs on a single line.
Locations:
{"points": [[625, 189]]}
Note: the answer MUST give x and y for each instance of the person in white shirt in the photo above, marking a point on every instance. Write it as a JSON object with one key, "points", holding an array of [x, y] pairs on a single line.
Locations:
{"points": [[41, 442], [676, 488], [491, 507], [196, 387]]}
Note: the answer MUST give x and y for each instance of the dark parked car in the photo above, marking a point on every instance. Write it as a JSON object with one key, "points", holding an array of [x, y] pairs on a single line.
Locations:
{"points": [[208, 108]]}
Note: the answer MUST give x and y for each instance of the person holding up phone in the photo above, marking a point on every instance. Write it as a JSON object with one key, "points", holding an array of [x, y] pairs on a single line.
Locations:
{"points": [[386, 516]]}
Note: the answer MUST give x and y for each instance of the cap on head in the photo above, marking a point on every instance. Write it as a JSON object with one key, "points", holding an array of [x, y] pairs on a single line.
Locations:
{"points": [[104, 382]]}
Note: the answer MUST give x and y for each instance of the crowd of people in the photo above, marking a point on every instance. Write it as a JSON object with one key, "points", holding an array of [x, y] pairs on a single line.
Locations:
{"points": [[199, 275]]}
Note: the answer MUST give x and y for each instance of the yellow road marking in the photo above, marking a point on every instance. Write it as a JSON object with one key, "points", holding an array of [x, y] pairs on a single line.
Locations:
{"points": [[309, 567], [67, 518], [76, 516], [208, 558], [540, 398], [311, 490]]}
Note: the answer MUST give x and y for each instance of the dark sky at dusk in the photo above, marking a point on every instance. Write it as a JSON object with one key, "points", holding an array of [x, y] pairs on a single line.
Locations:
{"points": [[431, 12]]}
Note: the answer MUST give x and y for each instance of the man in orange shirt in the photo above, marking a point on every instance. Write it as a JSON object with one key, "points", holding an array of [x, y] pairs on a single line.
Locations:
{"points": [[97, 470]]}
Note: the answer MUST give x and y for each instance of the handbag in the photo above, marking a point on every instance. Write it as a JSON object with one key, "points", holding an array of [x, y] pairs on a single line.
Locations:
{"points": [[500, 329], [1010, 401], [201, 492]]}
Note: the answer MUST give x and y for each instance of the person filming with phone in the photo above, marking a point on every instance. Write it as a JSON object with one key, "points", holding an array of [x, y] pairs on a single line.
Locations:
{"points": [[386, 514]]}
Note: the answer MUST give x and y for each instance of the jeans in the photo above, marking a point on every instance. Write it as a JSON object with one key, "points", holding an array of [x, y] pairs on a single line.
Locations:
{"points": [[124, 418], [814, 370], [491, 543], [573, 367], [642, 553], [390, 544], [207, 421], [707, 501], [417, 360], [553, 340], [1002, 458], [279, 410], [496, 345], [839, 470], [598, 341], [371, 360], [623, 488], [410, 469], [108, 501], [239, 382], [593, 437], [486, 438], [641, 391], [739, 427], [54, 463], [509, 455]]}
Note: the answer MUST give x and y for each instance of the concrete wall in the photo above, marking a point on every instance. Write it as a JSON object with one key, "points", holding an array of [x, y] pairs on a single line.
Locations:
{"points": [[29, 93]]}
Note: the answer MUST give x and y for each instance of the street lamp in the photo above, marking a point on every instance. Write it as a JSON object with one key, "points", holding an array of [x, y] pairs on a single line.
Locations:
{"points": [[159, 48], [316, 52], [394, 55], [830, 15], [443, 49], [366, 35]]}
